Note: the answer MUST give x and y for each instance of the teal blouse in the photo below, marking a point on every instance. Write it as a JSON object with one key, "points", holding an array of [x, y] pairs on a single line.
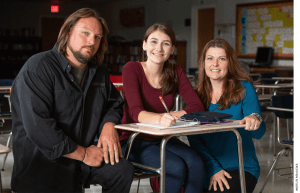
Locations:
{"points": [[219, 150]]}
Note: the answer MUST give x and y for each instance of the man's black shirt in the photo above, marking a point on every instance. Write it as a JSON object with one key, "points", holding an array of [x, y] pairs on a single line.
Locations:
{"points": [[52, 115]]}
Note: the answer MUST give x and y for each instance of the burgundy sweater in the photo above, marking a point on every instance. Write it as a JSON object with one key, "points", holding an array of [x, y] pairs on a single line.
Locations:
{"points": [[139, 96]]}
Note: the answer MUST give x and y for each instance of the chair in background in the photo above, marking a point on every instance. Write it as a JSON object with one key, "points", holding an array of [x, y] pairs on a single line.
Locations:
{"points": [[265, 78], [4, 116], [3, 150], [283, 109], [5, 113], [118, 82], [9, 140]]}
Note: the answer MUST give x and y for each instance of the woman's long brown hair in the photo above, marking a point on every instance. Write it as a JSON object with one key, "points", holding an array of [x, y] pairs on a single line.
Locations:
{"points": [[233, 90], [169, 80]]}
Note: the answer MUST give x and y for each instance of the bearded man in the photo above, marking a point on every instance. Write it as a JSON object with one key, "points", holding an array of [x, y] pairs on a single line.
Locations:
{"points": [[61, 100]]}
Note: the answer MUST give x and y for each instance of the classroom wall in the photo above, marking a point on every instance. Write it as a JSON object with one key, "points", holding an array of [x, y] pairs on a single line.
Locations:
{"points": [[18, 15], [226, 14], [173, 12]]}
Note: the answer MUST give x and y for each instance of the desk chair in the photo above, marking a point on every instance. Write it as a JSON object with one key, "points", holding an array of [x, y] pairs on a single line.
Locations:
{"points": [[3, 150], [283, 109], [117, 79], [139, 173], [6, 115], [264, 77]]}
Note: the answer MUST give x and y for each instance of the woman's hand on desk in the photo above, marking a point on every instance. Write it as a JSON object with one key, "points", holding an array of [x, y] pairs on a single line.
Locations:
{"points": [[167, 120], [219, 179], [252, 122]]}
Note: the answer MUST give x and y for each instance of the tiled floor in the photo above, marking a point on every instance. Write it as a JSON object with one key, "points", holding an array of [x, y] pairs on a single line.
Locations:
{"points": [[276, 184]]}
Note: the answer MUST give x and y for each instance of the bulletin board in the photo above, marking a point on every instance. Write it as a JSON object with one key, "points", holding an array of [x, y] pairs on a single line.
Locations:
{"points": [[266, 24]]}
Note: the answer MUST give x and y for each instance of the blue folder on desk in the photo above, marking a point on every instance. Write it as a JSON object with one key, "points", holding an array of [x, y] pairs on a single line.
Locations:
{"points": [[206, 117]]}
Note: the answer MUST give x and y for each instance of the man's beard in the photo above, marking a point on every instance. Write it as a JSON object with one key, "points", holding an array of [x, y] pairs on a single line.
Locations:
{"points": [[80, 57]]}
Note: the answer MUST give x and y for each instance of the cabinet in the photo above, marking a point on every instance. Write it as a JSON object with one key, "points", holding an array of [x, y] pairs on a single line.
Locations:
{"points": [[14, 51], [119, 53]]}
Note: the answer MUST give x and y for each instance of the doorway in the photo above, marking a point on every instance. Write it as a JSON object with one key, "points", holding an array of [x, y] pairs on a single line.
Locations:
{"points": [[206, 28], [203, 30]]}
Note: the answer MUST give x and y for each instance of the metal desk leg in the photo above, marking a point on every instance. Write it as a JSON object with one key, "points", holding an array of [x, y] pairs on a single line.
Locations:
{"points": [[177, 102], [162, 186], [241, 160], [129, 144], [274, 134]]}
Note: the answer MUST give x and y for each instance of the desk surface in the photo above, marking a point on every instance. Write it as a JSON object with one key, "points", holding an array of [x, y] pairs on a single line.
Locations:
{"points": [[282, 78], [4, 88], [217, 127], [254, 74], [265, 97], [274, 86]]}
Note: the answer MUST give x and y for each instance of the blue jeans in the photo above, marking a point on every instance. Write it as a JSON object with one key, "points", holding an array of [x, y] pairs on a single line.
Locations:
{"points": [[184, 166]]}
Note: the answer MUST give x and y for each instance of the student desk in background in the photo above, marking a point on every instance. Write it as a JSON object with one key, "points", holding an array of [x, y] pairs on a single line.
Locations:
{"points": [[4, 89], [267, 97], [283, 78], [275, 87], [168, 133]]}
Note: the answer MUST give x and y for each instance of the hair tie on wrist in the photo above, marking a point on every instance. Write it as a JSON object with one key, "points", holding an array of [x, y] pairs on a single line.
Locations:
{"points": [[84, 154]]}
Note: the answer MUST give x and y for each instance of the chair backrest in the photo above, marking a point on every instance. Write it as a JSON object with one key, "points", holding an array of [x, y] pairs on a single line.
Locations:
{"points": [[268, 75], [117, 79], [283, 101]]}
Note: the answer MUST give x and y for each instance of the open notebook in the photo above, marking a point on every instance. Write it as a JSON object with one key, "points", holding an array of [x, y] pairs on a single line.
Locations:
{"points": [[179, 123]]}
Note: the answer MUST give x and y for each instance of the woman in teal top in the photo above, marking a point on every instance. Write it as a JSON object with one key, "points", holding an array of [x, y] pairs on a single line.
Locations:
{"points": [[226, 88]]}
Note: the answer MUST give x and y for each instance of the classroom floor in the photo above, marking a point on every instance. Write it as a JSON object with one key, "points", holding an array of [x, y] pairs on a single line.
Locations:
{"points": [[276, 184]]}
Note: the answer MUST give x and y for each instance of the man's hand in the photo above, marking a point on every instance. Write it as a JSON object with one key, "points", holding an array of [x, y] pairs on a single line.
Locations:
{"points": [[93, 156], [219, 178], [109, 141]]}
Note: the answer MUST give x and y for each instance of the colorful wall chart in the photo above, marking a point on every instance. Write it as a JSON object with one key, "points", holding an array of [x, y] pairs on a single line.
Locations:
{"points": [[267, 24]]}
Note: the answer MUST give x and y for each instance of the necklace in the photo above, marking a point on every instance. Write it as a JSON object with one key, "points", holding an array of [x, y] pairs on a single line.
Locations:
{"points": [[216, 97], [155, 85], [149, 77]]}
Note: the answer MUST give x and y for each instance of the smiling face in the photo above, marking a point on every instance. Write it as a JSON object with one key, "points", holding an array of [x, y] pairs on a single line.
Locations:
{"points": [[158, 47], [216, 64], [84, 40]]}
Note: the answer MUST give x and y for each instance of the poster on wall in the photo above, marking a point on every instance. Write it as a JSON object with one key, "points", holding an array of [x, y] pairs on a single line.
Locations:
{"points": [[267, 24]]}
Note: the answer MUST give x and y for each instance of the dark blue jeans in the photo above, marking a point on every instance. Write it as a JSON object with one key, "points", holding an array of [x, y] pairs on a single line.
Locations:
{"points": [[184, 167]]}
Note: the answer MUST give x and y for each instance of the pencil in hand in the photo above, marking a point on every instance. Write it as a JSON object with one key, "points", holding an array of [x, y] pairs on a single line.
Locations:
{"points": [[163, 102]]}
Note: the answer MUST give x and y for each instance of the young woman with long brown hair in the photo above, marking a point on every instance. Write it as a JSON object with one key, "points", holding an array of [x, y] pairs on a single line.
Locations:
{"points": [[225, 87], [143, 83]]}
